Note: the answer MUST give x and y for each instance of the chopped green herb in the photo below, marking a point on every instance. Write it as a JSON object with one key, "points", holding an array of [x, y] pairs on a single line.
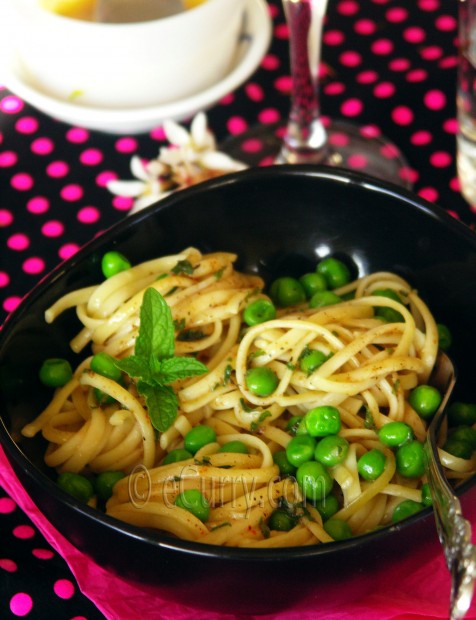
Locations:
{"points": [[254, 426], [154, 363], [264, 528], [219, 273], [189, 335], [369, 421], [295, 510], [227, 376], [254, 354], [217, 527], [75, 94], [244, 405], [179, 325], [205, 460], [183, 267]]}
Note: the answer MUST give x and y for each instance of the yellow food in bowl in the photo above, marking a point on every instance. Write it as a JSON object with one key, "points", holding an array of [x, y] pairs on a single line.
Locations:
{"points": [[85, 9], [77, 9], [190, 4]]}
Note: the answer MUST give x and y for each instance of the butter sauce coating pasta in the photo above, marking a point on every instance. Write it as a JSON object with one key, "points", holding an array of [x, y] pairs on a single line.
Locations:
{"points": [[370, 368]]}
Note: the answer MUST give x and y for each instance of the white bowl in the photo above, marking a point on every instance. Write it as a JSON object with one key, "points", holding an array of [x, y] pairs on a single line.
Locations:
{"points": [[254, 40], [122, 66]]}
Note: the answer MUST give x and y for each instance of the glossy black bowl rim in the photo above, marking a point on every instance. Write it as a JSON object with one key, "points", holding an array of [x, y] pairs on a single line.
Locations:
{"points": [[157, 542]]}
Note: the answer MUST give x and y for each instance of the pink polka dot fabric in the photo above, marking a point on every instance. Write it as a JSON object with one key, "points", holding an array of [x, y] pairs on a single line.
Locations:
{"points": [[388, 66], [35, 581]]}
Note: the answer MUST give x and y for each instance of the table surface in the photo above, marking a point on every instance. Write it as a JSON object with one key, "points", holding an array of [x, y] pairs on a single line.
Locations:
{"points": [[387, 64]]}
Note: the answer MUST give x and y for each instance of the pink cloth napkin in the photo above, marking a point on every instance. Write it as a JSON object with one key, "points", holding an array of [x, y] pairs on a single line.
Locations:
{"points": [[416, 586]]}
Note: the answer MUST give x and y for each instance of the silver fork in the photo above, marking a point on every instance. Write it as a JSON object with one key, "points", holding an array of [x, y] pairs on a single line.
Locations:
{"points": [[454, 530]]}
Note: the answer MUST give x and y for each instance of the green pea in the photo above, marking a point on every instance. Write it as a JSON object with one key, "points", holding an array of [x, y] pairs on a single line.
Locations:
{"points": [[195, 502], [261, 381], [237, 447], [295, 426], [425, 400], [328, 506], [371, 465], [405, 509], [199, 436], [114, 262], [410, 460], [338, 529], [462, 413], [258, 312], [285, 467], [300, 449], [324, 298], [287, 291], [280, 520], [323, 420], [55, 372], [105, 481], [426, 497], [335, 272], [177, 455], [76, 485], [458, 447], [314, 480], [465, 433], [105, 365], [313, 282], [310, 360], [395, 434], [388, 314], [445, 338], [331, 450]]}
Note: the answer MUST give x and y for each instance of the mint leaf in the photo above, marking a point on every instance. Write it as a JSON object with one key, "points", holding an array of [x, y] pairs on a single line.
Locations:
{"points": [[154, 364], [134, 366], [156, 331], [175, 368], [162, 404]]}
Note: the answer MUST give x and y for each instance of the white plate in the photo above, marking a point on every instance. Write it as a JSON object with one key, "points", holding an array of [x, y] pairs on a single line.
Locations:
{"points": [[253, 44]]}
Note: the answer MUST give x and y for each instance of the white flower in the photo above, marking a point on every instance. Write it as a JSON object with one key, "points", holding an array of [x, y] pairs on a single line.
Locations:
{"points": [[149, 186], [191, 158]]}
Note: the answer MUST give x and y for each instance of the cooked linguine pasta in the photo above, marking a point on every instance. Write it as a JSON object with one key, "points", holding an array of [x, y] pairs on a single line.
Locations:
{"points": [[369, 370]]}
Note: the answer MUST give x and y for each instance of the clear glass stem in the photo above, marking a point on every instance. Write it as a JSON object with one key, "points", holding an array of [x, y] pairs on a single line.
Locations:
{"points": [[305, 139]]}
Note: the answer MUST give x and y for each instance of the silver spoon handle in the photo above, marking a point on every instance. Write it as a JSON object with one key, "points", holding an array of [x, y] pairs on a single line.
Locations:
{"points": [[453, 529], [455, 535]]}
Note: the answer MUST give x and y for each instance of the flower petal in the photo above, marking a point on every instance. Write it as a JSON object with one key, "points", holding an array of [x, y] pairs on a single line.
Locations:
{"points": [[175, 133], [215, 160], [126, 188], [199, 130], [156, 168], [146, 201], [138, 168]]}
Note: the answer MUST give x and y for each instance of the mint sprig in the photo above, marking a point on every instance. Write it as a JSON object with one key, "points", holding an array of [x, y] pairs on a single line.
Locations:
{"points": [[154, 364]]}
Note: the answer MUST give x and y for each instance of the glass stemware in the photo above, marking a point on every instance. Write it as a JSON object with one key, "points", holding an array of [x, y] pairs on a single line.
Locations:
{"points": [[306, 138]]}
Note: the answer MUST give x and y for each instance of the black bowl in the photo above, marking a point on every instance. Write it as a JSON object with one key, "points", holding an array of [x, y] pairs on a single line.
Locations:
{"points": [[279, 220]]}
